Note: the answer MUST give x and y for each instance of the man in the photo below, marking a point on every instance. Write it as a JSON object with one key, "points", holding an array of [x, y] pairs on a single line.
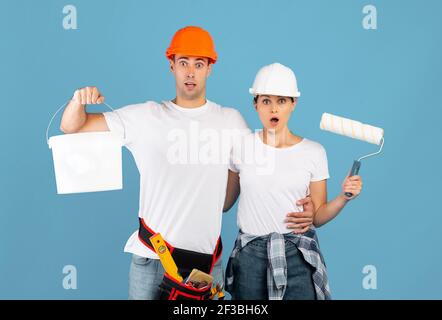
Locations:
{"points": [[182, 154]]}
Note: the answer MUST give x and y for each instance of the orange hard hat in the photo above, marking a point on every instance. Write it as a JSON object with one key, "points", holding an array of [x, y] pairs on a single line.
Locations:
{"points": [[192, 41]]}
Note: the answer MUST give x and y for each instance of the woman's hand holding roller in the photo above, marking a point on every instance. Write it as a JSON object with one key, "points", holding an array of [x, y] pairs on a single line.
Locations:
{"points": [[352, 185]]}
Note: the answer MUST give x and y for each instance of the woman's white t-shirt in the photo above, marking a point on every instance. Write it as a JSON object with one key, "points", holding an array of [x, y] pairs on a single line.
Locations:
{"points": [[273, 179]]}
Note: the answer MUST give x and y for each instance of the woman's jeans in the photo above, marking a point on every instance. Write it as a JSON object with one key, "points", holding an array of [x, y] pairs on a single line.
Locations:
{"points": [[146, 274], [250, 272]]}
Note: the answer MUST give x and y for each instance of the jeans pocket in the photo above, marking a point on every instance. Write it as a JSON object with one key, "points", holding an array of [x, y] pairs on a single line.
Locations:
{"points": [[142, 261]]}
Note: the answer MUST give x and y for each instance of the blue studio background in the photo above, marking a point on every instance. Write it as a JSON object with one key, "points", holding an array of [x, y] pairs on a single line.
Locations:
{"points": [[389, 77]]}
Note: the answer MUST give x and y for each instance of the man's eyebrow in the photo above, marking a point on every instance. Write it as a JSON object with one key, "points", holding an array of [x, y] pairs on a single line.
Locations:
{"points": [[183, 58], [264, 95]]}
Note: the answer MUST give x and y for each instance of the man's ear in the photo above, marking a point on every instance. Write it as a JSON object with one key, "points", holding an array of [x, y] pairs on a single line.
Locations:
{"points": [[172, 65], [209, 69]]}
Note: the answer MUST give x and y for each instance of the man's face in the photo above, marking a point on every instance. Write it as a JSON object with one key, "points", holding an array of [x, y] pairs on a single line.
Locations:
{"points": [[190, 74], [274, 111]]}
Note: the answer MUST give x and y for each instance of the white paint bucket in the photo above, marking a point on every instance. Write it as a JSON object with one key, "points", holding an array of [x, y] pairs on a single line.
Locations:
{"points": [[86, 161]]}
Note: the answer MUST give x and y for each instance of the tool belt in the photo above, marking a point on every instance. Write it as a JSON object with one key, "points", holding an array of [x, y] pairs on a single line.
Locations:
{"points": [[186, 261], [171, 289]]}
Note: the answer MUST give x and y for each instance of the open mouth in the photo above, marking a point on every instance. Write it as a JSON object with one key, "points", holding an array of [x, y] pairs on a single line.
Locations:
{"points": [[190, 85], [274, 121]]}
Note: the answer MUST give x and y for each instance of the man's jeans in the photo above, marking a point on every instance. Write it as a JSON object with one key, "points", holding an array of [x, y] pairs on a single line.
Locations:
{"points": [[250, 272], [146, 274]]}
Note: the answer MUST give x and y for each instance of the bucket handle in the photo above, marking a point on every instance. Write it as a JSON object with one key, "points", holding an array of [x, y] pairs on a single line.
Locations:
{"points": [[64, 104]]}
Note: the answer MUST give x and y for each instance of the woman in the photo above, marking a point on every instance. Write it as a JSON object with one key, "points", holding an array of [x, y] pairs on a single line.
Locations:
{"points": [[273, 258]]}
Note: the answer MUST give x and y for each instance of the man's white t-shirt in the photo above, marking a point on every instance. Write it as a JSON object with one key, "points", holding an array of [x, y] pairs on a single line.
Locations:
{"points": [[273, 179], [183, 157]]}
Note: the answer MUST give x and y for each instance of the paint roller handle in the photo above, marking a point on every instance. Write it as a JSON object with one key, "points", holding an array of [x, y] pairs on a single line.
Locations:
{"points": [[354, 171]]}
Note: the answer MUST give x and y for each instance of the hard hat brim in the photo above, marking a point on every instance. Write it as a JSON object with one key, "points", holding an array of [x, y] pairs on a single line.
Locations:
{"points": [[281, 94], [212, 58]]}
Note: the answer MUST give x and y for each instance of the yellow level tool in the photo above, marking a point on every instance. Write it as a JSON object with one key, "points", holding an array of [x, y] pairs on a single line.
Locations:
{"points": [[218, 289], [165, 257]]}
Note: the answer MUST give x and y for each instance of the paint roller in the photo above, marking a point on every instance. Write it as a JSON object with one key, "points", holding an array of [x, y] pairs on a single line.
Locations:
{"points": [[355, 130]]}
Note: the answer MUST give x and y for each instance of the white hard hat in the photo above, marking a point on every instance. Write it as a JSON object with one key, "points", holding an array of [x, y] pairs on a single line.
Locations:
{"points": [[275, 79]]}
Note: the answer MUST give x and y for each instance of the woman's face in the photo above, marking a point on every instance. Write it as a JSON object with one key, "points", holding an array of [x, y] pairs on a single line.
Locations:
{"points": [[274, 111]]}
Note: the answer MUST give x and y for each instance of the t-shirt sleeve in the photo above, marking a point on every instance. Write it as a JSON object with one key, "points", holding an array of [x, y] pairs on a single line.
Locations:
{"points": [[239, 130], [320, 165], [235, 158], [125, 122], [238, 122]]}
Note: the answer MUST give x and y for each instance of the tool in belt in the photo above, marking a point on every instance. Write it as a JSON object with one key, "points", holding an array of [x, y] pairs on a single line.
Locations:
{"points": [[179, 263]]}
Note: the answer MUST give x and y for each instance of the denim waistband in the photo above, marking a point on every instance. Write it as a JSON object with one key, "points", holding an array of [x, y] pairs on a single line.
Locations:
{"points": [[261, 241]]}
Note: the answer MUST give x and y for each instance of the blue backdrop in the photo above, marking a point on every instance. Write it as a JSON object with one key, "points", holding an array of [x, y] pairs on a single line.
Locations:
{"points": [[389, 77]]}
